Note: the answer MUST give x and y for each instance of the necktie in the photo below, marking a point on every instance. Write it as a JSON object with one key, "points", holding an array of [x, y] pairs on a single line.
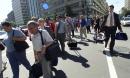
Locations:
{"points": [[111, 20]]}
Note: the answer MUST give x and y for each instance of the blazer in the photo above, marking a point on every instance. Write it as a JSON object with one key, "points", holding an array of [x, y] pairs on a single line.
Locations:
{"points": [[116, 20]]}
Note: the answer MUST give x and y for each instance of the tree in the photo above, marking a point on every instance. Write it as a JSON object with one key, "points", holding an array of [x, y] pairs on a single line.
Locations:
{"points": [[125, 12]]}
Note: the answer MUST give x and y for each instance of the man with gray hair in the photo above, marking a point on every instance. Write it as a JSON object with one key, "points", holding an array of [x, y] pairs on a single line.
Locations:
{"points": [[39, 48], [60, 32]]}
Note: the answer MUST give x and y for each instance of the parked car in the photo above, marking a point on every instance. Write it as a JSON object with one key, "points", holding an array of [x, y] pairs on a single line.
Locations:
{"points": [[128, 15], [125, 21], [2, 35]]}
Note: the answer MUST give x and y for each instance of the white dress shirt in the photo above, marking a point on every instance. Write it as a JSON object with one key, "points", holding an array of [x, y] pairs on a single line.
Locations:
{"points": [[108, 24], [36, 40]]}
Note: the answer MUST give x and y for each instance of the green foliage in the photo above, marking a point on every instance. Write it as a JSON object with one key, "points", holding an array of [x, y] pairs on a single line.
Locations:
{"points": [[125, 12]]}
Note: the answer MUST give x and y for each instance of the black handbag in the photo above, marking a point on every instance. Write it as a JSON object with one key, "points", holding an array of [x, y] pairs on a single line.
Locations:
{"points": [[36, 70], [121, 36], [52, 52], [2, 46], [20, 45], [72, 43]]}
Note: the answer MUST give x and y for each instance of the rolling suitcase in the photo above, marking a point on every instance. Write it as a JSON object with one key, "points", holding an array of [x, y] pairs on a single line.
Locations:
{"points": [[99, 37], [72, 44]]}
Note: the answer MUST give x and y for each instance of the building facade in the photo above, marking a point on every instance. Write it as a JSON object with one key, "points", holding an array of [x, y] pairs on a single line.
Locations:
{"points": [[86, 7], [127, 4], [21, 11], [34, 9], [10, 17]]}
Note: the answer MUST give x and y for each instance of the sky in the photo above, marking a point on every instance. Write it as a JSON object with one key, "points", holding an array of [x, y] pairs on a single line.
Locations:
{"points": [[118, 4], [6, 7]]}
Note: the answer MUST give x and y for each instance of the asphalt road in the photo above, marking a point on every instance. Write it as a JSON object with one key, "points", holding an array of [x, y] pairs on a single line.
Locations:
{"points": [[88, 61]]}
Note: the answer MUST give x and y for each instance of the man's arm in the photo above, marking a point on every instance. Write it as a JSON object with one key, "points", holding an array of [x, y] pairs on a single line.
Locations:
{"points": [[118, 23], [19, 36]]}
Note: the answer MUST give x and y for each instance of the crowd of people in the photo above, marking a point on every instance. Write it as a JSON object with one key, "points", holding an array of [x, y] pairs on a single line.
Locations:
{"points": [[62, 29]]}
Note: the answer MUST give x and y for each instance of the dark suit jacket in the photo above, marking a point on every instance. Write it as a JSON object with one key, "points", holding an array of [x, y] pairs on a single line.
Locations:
{"points": [[116, 19]]}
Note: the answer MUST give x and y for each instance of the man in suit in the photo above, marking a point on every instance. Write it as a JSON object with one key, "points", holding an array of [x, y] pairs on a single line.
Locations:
{"points": [[109, 26]]}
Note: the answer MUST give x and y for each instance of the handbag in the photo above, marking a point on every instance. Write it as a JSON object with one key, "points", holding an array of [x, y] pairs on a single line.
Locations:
{"points": [[72, 43], [20, 45], [36, 70], [2, 46], [52, 52], [121, 36]]}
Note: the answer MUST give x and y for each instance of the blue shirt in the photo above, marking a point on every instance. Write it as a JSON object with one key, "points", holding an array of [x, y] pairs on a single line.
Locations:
{"points": [[83, 22], [8, 42], [88, 22]]}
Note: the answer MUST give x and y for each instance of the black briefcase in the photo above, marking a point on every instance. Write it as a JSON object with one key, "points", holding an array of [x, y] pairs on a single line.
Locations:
{"points": [[72, 44], [2, 47], [52, 52], [36, 70], [121, 36]]}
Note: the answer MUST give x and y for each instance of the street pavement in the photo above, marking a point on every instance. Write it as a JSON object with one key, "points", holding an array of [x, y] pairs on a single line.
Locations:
{"points": [[88, 61]]}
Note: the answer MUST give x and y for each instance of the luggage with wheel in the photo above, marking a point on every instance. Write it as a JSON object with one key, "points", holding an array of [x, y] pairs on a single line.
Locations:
{"points": [[72, 44], [99, 37]]}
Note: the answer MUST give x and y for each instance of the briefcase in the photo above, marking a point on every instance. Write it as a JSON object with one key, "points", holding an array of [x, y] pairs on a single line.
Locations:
{"points": [[36, 70], [2, 46], [72, 44], [121, 36]]}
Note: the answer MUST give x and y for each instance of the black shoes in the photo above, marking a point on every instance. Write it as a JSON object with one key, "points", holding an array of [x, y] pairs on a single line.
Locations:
{"points": [[113, 53]]}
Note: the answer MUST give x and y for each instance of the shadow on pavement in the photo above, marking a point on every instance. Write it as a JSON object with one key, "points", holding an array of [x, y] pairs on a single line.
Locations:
{"points": [[74, 58], [75, 48], [115, 54], [58, 73], [123, 52], [94, 41], [89, 40], [83, 43], [123, 55], [77, 36]]}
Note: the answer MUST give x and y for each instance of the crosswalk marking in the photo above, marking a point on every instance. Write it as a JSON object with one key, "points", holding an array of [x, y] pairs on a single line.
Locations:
{"points": [[111, 67]]}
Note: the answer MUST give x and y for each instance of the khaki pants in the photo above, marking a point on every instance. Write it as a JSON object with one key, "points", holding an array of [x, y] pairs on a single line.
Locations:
{"points": [[83, 31], [46, 68]]}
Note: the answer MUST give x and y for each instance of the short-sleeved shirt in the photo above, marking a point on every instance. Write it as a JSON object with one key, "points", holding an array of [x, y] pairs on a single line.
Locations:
{"points": [[36, 40], [61, 25], [8, 42]]}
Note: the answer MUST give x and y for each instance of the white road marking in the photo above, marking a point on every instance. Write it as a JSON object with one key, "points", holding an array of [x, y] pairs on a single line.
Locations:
{"points": [[111, 67]]}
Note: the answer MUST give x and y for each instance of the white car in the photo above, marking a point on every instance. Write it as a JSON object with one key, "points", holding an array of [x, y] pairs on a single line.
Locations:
{"points": [[2, 35], [125, 21]]}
